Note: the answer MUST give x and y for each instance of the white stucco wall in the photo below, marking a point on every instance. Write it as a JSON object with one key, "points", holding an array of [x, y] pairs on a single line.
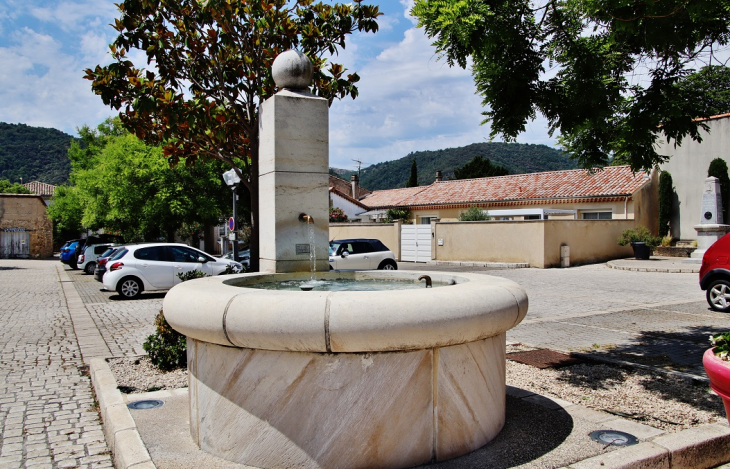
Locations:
{"points": [[348, 207], [688, 166]]}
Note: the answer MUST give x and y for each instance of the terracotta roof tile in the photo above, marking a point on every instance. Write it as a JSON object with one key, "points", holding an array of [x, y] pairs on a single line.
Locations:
{"points": [[345, 187], [40, 188], [577, 183]]}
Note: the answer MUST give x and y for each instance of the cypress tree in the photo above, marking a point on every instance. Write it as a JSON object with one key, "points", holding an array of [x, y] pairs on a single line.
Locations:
{"points": [[718, 169], [413, 180], [666, 194]]}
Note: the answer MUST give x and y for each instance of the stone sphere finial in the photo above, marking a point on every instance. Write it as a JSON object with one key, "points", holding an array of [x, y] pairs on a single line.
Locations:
{"points": [[293, 70]]}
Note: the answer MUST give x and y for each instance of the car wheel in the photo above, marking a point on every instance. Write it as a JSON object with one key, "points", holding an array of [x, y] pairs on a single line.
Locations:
{"points": [[89, 267], [129, 287], [718, 295], [388, 265]]}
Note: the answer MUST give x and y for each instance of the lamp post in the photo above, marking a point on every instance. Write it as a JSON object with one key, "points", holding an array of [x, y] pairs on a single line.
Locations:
{"points": [[232, 180]]}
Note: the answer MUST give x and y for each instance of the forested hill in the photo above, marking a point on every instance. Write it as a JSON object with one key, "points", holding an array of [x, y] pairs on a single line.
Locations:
{"points": [[34, 154], [518, 158]]}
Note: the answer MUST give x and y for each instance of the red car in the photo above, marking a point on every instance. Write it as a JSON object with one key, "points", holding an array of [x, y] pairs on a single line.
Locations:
{"points": [[715, 274]]}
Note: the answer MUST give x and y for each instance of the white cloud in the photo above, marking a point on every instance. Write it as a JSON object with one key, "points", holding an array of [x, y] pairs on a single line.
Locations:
{"points": [[42, 86], [77, 16]]}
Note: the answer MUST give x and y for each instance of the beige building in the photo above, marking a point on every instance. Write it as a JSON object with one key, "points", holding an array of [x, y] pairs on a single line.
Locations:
{"points": [[613, 193], [25, 229], [548, 219]]}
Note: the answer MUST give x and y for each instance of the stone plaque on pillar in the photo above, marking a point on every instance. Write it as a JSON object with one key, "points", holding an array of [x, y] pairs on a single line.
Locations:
{"points": [[711, 227], [711, 203]]}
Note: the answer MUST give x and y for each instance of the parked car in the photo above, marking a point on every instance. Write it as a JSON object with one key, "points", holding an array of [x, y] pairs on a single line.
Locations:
{"points": [[88, 258], [244, 257], [360, 254], [715, 274], [149, 267], [100, 268], [69, 254]]}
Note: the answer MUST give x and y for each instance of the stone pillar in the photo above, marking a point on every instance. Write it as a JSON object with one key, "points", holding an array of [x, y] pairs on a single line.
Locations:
{"points": [[711, 227], [293, 171]]}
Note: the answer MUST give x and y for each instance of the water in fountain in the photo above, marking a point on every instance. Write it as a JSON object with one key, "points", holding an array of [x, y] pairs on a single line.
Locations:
{"points": [[343, 284]]}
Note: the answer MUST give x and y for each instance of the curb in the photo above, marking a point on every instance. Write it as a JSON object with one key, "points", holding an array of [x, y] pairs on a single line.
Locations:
{"points": [[700, 447], [120, 430], [617, 264], [492, 265]]}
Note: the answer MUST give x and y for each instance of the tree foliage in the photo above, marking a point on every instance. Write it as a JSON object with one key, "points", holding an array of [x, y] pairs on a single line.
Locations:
{"points": [[413, 178], [479, 168], [713, 84], [66, 212], [666, 200], [718, 169], [604, 73], [7, 187], [210, 68], [518, 158], [127, 187]]}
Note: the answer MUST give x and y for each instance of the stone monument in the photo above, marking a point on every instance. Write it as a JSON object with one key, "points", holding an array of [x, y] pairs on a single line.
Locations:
{"points": [[711, 227], [294, 171]]}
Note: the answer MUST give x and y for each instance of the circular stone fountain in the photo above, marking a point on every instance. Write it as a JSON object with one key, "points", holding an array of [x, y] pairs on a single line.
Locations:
{"points": [[345, 378]]}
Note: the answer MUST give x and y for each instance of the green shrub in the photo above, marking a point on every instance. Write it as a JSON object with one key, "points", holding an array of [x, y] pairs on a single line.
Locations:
{"points": [[337, 215], [474, 214], [167, 348], [640, 234], [721, 342], [403, 214]]}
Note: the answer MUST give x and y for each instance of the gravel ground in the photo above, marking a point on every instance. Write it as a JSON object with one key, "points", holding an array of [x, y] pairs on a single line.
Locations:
{"points": [[654, 399]]}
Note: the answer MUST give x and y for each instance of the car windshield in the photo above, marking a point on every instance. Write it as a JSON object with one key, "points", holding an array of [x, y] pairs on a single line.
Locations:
{"points": [[333, 248]]}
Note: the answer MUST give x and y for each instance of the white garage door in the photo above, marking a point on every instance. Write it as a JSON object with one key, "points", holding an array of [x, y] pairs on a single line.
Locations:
{"points": [[415, 243]]}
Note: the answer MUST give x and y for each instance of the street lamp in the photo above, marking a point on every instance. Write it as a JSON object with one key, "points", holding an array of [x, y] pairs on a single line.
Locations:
{"points": [[232, 180]]}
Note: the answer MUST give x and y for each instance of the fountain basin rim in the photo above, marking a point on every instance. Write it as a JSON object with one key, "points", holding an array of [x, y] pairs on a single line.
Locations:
{"points": [[215, 310]]}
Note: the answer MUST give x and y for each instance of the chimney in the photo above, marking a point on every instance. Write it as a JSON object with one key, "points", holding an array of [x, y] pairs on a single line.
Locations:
{"points": [[438, 175], [354, 180]]}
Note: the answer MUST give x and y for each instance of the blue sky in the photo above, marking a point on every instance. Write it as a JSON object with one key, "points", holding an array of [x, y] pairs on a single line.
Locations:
{"points": [[409, 100]]}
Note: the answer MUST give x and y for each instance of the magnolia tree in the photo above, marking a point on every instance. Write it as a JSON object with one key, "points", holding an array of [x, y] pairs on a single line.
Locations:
{"points": [[604, 73], [208, 67]]}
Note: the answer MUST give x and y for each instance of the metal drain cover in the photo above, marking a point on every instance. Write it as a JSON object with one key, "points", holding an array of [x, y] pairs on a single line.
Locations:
{"points": [[613, 437], [146, 404]]}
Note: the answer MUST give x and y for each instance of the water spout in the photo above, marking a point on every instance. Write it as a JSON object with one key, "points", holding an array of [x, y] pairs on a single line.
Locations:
{"points": [[427, 279], [304, 218]]}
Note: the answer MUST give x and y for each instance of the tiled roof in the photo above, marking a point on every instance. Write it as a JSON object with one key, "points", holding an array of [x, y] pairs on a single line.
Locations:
{"points": [[345, 187], [348, 198], [40, 188], [570, 184]]}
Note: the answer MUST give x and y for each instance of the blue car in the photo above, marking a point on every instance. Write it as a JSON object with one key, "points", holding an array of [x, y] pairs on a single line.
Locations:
{"points": [[69, 253]]}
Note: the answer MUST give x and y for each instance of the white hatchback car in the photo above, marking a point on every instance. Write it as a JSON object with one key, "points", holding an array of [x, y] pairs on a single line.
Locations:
{"points": [[149, 267], [360, 254]]}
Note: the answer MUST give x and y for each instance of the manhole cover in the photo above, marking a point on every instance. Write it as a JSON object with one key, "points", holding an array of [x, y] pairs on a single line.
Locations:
{"points": [[146, 404], [544, 358], [613, 437]]}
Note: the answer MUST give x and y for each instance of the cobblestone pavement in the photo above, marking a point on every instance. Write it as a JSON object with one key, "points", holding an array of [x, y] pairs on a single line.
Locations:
{"points": [[656, 319], [47, 413], [123, 324]]}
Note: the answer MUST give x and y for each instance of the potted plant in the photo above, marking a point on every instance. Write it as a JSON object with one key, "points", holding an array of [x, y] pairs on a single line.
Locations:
{"points": [[641, 240], [717, 366]]}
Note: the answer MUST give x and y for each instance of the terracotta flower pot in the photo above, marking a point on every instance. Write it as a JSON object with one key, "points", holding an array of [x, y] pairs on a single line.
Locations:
{"points": [[719, 373]]}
